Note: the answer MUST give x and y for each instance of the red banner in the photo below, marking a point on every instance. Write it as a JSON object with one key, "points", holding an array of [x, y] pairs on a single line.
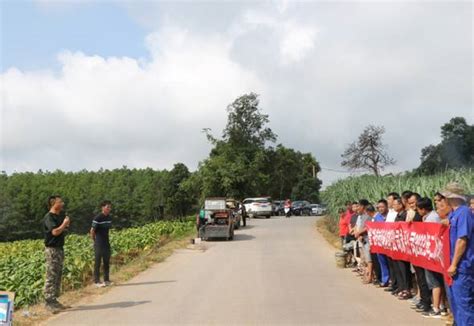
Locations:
{"points": [[420, 243]]}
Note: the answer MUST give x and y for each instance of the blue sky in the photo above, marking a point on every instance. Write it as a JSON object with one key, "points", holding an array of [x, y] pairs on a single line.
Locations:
{"points": [[34, 33]]}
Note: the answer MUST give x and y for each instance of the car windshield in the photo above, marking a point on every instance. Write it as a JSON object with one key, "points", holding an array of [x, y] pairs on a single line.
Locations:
{"points": [[248, 201], [264, 201]]}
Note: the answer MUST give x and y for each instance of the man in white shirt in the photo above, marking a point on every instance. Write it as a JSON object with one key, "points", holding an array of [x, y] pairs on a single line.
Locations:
{"points": [[391, 212]]}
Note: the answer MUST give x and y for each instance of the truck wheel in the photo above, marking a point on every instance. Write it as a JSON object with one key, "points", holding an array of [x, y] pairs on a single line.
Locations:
{"points": [[268, 216]]}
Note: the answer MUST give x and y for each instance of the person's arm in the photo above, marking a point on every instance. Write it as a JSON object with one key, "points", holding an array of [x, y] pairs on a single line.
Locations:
{"points": [[60, 229], [459, 250], [463, 233], [92, 233]]}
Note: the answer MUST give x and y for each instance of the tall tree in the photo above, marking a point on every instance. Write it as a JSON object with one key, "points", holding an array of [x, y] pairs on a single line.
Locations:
{"points": [[234, 167], [368, 152], [456, 149]]}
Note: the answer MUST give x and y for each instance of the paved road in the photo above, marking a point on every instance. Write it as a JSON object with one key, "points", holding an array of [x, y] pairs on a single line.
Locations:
{"points": [[277, 271]]}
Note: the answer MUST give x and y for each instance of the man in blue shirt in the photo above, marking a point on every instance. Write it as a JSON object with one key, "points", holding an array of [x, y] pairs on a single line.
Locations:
{"points": [[382, 208], [461, 237]]}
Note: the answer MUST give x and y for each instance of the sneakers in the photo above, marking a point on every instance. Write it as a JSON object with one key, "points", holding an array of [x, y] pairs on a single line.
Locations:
{"points": [[100, 285], [432, 314], [424, 309], [108, 283]]}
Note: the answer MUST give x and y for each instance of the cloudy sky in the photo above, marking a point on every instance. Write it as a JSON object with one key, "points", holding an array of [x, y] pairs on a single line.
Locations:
{"points": [[105, 84]]}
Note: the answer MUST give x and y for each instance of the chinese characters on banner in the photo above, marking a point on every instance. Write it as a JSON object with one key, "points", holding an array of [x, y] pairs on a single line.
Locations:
{"points": [[422, 244]]}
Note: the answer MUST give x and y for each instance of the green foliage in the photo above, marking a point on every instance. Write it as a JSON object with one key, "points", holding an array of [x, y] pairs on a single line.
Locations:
{"points": [[374, 188], [242, 165], [139, 196], [455, 151], [22, 266]]}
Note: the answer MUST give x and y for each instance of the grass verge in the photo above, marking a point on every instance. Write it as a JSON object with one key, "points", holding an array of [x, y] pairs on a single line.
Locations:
{"points": [[37, 314], [323, 226]]}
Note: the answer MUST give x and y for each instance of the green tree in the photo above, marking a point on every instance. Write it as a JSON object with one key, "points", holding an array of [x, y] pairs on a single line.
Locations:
{"points": [[455, 151]]}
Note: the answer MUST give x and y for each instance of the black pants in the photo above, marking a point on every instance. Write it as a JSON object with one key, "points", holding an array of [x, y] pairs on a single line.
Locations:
{"points": [[377, 270], [393, 273], [402, 270], [102, 255], [425, 292]]}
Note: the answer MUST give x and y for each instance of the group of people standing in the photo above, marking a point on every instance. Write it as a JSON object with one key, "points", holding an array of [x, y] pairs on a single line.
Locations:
{"points": [[55, 226], [427, 290]]}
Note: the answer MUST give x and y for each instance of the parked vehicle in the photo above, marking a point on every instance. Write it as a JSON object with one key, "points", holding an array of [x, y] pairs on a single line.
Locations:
{"points": [[301, 207], [316, 209], [220, 220], [279, 207], [260, 206]]}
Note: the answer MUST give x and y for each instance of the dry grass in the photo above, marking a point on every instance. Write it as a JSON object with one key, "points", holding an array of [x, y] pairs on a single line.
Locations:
{"points": [[37, 314], [322, 225]]}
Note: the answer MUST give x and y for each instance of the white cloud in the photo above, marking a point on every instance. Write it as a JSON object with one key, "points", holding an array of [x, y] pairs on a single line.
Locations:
{"points": [[115, 108], [323, 70]]}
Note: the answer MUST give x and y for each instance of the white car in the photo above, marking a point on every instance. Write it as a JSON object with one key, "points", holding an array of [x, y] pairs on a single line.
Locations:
{"points": [[258, 207], [317, 209]]}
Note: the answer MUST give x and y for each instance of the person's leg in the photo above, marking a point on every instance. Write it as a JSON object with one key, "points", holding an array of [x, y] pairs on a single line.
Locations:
{"points": [[435, 287], [49, 285], [97, 262], [399, 273], [425, 293], [384, 270], [463, 297], [59, 272], [376, 266], [106, 258], [393, 274]]}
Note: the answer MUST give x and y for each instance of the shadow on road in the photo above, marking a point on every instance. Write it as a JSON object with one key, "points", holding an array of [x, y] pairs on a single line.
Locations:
{"points": [[145, 283], [243, 237], [123, 304]]}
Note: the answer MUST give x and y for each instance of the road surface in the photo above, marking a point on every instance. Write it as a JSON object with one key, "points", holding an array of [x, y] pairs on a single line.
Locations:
{"points": [[276, 271]]}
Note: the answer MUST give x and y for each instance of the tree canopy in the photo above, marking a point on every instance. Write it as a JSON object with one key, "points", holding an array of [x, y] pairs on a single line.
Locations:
{"points": [[241, 164]]}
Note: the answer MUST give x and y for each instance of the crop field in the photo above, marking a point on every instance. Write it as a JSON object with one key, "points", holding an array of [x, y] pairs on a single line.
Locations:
{"points": [[22, 265], [374, 188]]}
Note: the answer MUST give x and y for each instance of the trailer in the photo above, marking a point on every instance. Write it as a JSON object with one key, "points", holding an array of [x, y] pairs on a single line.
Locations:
{"points": [[220, 220]]}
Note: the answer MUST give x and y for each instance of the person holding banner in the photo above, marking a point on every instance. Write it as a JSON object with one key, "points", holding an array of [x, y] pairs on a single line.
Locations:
{"points": [[391, 216], [402, 268], [363, 238], [424, 304], [434, 280], [461, 234], [382, 208]]}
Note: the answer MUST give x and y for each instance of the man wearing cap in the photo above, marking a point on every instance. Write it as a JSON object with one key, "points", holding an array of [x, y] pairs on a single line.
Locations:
{"points": [[461, 234]]}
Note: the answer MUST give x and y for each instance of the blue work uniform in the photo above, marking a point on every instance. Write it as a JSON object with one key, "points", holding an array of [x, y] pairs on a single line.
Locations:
{"points": [[461, 291]]}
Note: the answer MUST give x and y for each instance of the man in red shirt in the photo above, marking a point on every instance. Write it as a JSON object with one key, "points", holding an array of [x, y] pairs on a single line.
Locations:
{"points": [[344, 222]]}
